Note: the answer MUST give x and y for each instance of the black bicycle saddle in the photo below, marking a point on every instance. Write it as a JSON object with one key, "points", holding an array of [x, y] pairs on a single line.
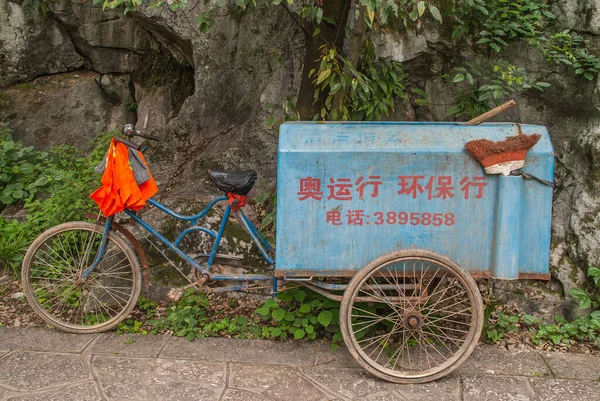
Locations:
{"points": [[236, 182]]}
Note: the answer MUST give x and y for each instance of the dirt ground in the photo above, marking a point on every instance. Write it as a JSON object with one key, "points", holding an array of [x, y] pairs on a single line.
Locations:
{"points": [[16, 312]]}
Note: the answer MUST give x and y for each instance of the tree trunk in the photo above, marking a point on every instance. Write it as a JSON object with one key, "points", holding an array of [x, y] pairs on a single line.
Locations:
{"points": [[330, 34]]}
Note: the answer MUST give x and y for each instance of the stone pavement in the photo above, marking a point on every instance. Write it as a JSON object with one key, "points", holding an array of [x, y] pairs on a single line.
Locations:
{"points": [[44, 364]]}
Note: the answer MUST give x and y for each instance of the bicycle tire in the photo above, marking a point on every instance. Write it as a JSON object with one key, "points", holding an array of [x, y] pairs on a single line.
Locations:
{"points": [[54, 262], [411, 316]]}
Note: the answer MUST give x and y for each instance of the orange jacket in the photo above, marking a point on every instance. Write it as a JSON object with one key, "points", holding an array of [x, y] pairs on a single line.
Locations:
{"points": [[119, 189]]}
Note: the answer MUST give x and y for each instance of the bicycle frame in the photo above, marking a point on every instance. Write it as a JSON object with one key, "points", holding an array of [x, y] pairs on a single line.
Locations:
{"points": [[256, 236]]}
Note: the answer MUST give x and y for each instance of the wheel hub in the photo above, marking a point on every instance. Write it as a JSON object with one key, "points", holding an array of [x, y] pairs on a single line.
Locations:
{"points": [[412, 319]]}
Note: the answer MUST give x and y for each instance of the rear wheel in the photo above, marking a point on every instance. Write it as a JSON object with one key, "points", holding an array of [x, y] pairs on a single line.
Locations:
{"points": [[52, 270], [411, 316]]}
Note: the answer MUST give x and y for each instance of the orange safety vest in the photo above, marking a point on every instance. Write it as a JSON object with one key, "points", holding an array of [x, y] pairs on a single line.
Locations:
{"points": [[119, 190]]}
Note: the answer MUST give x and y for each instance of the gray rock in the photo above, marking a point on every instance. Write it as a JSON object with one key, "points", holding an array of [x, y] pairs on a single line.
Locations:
{"points": [[566, 390], [30, 47], [206, 96], [24, 370], [492, 388]]}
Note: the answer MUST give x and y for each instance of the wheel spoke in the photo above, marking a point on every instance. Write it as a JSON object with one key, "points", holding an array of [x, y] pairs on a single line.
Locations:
{"points": [[51, 270], [427, 316]]}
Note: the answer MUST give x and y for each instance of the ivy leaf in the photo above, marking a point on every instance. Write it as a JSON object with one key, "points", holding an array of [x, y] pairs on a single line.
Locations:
{"points": [[319, 15], [278, 314], [435, 13], [298, 334], [323, 75], [421, 7], [299, 295], [304, 308], [581, 297], [325, 318], [594, 272], [454, 110], [285, 296], [263, 311], [270, 303], [458, 78], [191, 336]]}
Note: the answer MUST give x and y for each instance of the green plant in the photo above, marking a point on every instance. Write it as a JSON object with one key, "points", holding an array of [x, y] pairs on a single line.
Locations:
{"points": [[498, 322], [300, 314], [367, 91], [41, 6], [569, 48], [21, 170], [495, 23], [184, 318], [134, 325], [290, 113], [583, 328], [50, 187], [267, 201], [132, 106], [490, 85]]}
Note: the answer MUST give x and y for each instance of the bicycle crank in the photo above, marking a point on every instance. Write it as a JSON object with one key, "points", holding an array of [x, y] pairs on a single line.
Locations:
{"points": [[175, 294]]}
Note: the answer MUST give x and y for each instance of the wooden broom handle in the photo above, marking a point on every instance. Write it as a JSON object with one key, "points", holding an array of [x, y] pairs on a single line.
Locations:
{"points": [[492, 113]]}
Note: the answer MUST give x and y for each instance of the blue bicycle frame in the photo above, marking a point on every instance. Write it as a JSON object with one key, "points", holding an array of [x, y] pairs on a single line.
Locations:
{"points": [[256, 236]]}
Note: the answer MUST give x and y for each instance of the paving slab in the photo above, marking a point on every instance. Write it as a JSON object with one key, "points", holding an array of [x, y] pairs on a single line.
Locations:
{"points": [[445, 389], [497, 388], [274, 382], [488, 359], [80, 392], [42, 339], [569, 366], [155, 379], [340, 358], [31, 371], [355, 384], [566, 390], [237, 395], [4, 392], [127, 345], [232, 350], [3, 352]]}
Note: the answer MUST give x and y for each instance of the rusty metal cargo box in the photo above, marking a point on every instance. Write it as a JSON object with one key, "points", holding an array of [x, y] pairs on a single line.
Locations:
{"points": [[350, 192]]}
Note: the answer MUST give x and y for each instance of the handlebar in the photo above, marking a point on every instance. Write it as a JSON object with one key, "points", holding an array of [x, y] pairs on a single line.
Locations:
{"points": [[130, 131]]}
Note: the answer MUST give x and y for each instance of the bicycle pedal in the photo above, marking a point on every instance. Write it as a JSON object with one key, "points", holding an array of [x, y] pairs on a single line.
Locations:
{"points": [[175, 294]]}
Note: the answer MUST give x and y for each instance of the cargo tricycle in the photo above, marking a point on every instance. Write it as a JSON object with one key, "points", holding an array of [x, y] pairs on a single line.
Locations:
{"points": [[394, 220]]}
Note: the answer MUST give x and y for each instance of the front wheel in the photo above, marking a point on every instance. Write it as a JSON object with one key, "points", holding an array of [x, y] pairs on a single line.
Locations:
{"points": [[411, 316], [51, 277]]}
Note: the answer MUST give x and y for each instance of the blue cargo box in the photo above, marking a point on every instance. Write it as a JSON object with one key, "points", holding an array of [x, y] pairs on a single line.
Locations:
{"points": [[350, 192]]}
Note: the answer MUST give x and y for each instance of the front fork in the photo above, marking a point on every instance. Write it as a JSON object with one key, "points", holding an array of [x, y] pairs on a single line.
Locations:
{"points": [[86, 273]]}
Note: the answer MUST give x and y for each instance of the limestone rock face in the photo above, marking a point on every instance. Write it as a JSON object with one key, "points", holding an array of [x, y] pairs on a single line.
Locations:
{"points": [[30, 48], [67, 108], [207, 96]]}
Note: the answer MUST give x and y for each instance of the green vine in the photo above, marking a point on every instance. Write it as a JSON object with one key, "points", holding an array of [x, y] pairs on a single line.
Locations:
{"points": [[48, 188], [368, 92], [489, 84]]}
